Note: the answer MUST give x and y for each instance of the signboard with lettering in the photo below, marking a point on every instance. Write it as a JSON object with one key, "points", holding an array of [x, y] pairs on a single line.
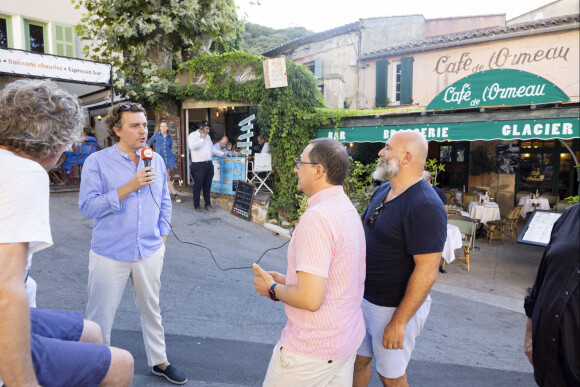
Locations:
{"points": [[244, 144], [565, 128], [243, 200], [246, 120], [246, 151], [245, 135], [275, 73], [238, 74], [50, 66], [539, 228], [497, 88], [247, 127]]}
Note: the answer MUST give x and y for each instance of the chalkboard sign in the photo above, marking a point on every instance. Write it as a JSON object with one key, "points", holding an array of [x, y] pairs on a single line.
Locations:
{"points": [[243, 200], [174, 132], [539, 228]]}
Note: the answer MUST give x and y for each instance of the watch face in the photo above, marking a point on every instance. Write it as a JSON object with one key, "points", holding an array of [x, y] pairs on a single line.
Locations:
{"points": [[272, 295]]}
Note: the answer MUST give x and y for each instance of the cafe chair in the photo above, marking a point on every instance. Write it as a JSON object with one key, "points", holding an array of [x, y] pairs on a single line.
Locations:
{"points": [[467, 198], [466, 227], [497, 228], [451, 198], [261, 171], [552, 199], [453, 212], [562, 205]]}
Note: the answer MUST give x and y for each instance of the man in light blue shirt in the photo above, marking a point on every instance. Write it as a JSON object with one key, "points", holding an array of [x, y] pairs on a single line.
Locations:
{"points": [[222, 148], [131, 207]]}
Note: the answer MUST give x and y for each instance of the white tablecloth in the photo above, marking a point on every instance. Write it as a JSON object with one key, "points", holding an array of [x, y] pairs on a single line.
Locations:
{"points": [[489, 211], [452, 242], [528, 202]]}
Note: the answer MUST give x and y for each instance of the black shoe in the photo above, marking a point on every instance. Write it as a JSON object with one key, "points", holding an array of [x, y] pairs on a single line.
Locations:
{"points": [[208, 207], [441, 270], [199, 209], [171, 373]]}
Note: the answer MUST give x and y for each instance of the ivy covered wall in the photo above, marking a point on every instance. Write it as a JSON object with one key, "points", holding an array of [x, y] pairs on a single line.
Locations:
{"points": [[287, 115]]}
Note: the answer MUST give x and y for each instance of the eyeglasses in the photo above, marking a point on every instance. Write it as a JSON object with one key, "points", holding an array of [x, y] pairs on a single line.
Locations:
{"points": [[370, 220], [297, 162]]}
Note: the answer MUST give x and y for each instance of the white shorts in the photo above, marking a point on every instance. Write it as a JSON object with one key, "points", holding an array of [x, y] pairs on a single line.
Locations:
{"points": [[391, 363], [287, 368]]}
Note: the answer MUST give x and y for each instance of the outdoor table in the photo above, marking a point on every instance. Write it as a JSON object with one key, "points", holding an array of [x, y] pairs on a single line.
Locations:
{"points": [[484, 213], [528, 204], [452, 242]]}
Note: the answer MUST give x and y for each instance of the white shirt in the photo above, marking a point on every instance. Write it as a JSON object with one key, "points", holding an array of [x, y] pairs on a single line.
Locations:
{"points": [[265, 148], [200, 148], [24, 193]]}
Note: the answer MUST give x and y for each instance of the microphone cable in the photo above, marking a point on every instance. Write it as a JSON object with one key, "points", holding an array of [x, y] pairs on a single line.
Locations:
{"points": [[207, 248]]}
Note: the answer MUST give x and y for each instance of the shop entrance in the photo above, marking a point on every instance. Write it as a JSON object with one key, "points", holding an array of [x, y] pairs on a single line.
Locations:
{"points": [[455, 157]]}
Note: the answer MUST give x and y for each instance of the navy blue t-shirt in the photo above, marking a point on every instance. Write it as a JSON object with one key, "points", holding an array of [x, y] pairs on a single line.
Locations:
{"points": [[441, 194], [414, 222]]}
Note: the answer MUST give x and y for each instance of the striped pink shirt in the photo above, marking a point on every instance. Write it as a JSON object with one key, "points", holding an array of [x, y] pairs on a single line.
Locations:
{"points": [[329, 242]]}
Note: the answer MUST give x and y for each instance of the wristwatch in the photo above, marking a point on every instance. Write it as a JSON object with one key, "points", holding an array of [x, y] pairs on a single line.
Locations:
{"points": [[272, 292]]}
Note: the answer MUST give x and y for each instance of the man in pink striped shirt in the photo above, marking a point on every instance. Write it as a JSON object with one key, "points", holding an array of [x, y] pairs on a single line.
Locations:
{"points": [[324, 284]]}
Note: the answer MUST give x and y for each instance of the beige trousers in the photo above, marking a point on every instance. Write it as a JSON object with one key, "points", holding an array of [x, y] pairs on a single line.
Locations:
{"points": [[287, 368], [107, 281]]}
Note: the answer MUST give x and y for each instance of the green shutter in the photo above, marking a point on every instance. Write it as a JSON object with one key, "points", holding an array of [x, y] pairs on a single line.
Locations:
{"points": [[8, 19], [382, 72], [407, 80], [64, 39]]}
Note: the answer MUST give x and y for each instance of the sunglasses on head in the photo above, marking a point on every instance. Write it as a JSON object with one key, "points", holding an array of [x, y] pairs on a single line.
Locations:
{"points": [[128, 106]]}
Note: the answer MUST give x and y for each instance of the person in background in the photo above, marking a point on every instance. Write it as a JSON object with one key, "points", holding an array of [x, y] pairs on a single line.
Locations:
{"points": [[322, 289], [131, 208], [265, 146], [222, 148], [427, 176], [405, 230], [201, 168], [553, 307], [41, 346], [163, 144]]}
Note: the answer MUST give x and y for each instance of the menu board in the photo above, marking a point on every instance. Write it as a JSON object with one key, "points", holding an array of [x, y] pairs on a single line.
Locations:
{"points": [[243, 200], [539, 228], [173, 131]]}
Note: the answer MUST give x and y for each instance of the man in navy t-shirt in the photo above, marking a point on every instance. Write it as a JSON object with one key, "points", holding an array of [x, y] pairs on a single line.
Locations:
{"points": [[405, 230]]}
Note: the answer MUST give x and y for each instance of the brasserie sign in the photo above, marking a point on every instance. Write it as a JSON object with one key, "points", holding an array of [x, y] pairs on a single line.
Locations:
{"points": [[565, 128], [498, 87], [238, 74]]}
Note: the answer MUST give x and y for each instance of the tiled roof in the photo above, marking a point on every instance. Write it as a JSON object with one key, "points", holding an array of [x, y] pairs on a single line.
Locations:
{"points": [[421, 45], [312, 38]]}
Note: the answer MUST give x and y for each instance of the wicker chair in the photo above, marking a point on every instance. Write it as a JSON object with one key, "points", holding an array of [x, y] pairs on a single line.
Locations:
{"points": [[467, 198], [451, 198], [467, 227], [497, 228]]}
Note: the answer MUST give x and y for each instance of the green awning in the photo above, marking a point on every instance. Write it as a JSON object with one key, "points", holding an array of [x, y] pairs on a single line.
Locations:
{"points": [[543, 129]]}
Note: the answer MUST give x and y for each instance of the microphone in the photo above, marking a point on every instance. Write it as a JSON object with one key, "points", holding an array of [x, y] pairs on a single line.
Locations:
{"points": [[146, 156]]}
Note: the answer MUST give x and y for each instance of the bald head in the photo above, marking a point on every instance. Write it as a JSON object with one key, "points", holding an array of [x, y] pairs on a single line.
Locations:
{"points": [[427, 176], [414, 143]]}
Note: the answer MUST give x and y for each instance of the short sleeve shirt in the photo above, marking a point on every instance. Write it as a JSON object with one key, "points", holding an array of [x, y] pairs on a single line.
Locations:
{"points": [[413, 223], [24, 195]]}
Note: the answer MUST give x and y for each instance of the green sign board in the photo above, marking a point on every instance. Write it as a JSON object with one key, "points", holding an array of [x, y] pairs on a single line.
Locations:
{"points": [[467, 131], [497, 87]]}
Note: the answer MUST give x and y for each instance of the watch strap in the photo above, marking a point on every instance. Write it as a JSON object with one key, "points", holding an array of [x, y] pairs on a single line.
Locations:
{"points": [[272, 292]]}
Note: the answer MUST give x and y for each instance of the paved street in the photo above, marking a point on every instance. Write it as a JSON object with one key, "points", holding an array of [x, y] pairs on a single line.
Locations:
{"points": [[221, 333]]}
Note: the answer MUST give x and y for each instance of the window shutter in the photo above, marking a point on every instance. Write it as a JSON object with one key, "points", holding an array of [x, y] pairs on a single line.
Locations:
{"points": [[64, 40], [318, 68], [407, 80], [382, 71]]}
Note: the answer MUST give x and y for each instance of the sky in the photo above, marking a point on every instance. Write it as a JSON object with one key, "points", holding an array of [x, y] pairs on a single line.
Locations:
{"points": [[321, 15]]}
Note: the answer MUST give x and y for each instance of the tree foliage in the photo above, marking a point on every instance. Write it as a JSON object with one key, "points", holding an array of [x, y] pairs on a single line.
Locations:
{"points": [[256, 38], [146, 39]]}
